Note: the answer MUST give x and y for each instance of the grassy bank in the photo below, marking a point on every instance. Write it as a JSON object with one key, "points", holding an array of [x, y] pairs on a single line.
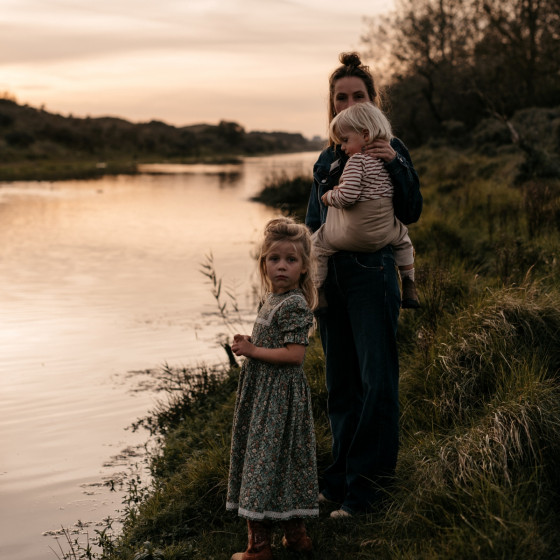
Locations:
{"points": [[54, 170], [64, 169], [480, 395]]}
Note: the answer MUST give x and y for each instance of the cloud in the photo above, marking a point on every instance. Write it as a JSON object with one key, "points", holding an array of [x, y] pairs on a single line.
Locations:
{"points": [[241, 54], [65, 31]]}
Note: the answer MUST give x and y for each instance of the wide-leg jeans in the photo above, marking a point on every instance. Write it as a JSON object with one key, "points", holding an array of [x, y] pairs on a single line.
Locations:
{"points": [[358, 332]]}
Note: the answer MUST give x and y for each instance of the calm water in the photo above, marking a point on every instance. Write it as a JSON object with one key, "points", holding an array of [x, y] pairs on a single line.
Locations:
{"points": [[99, 279]]}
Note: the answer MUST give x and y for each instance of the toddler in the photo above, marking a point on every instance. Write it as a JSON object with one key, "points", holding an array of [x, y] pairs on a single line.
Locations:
{"points": [[361, 215]]}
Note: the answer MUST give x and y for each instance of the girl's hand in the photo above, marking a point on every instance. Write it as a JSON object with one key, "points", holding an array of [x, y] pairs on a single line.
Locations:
{"points": [[242, 345], [290, 354], [324, 200], [380, 149], [239, 337]]}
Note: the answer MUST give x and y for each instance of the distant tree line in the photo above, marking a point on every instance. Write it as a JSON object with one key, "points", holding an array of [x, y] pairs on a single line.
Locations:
{"points": [[30, 133], [448, 64]]}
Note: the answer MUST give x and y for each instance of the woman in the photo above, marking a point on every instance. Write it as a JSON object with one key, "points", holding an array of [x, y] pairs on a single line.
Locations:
{"points": [[359, 325]]}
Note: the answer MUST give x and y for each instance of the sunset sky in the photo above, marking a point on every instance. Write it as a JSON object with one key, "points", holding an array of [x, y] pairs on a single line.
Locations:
{"points": [[261, 63]]}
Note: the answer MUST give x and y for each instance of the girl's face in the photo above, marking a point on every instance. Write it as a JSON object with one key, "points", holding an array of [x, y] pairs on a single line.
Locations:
{"points": [[349, 91], [283, 267], [352, 142]]}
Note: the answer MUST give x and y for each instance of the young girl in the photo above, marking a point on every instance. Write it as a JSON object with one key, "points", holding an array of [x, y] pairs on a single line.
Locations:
{"points": [[273, 471], [371, 224]]}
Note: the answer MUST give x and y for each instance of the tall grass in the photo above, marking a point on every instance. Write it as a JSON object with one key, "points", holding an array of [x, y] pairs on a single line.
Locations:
{"points": [[477, 476], [477, 473]]}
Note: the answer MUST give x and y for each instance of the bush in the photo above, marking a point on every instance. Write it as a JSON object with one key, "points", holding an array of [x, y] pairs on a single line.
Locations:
{"points": [[19, 139], [290, 194]]}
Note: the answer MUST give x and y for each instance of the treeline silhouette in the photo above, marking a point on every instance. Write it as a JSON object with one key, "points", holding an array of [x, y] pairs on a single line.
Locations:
{"points": [[449, 64], [35, 134]]}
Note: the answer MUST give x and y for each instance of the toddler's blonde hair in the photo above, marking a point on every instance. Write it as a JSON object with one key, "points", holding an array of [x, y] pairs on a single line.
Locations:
{"points": [[287, 229], [361, 117]]}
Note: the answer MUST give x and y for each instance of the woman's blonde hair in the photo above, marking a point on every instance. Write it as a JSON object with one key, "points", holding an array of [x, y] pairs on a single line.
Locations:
{"points": [[287, 229], [360, 118]]}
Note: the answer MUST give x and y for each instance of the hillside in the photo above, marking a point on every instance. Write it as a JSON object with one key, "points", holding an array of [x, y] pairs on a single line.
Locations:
{"points": [[36, 144]]}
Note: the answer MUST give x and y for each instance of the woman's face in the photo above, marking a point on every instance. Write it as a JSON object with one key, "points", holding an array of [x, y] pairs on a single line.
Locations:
{"points": [[349, 91]]}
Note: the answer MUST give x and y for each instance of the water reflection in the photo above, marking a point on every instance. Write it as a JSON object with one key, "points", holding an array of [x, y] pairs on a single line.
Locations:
{"points": [[97, 279], [228, 174]]}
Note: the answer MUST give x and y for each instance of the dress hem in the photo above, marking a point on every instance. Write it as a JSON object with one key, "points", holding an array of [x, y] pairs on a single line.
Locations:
{"points": [[273, 515]]}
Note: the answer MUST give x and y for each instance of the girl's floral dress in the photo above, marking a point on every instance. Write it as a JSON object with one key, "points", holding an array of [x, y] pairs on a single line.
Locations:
{"points": [[273, 469]]}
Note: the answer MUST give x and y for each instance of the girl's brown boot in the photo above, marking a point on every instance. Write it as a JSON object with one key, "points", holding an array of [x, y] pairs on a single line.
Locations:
{"points": [[259, 542], [295, 536]]}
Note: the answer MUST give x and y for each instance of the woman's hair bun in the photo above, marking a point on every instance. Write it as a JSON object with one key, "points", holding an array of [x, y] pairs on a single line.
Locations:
{"points": [[350, 59]]}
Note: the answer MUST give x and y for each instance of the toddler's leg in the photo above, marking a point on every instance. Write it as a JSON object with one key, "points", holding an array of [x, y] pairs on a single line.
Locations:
{"points": [[409, 294], [404, 257]]}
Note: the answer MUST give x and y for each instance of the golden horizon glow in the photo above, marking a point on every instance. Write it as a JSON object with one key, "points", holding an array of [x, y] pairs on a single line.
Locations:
{"points": [[262, 64]]}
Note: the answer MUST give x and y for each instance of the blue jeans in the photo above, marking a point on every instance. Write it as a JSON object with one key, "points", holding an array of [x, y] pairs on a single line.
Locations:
{"points": [[358, 332]]}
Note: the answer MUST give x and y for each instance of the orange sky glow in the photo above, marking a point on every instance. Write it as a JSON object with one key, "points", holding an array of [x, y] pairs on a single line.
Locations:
{"points": [[261, 63]]}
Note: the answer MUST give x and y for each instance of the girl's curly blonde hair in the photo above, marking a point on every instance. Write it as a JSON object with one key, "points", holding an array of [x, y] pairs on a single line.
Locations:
{"points": [[287, 229]]}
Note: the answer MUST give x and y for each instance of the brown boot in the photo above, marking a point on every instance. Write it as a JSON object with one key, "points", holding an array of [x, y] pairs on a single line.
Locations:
{"points": [[259, 542], [409, 294], [295, 536]]}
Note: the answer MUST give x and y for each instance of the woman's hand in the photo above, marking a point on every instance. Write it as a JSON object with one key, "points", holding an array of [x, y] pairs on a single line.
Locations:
{"points": [[380, 149]]}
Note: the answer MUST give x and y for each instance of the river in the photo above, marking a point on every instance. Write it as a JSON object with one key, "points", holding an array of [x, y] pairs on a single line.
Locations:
{"points": [[100, 280]]}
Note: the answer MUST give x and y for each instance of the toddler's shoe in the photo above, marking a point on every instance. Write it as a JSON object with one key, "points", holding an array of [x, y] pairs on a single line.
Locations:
{"points": [[409, 294]]}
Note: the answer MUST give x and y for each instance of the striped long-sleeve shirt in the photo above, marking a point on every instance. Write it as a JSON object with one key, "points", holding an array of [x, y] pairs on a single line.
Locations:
{"points": [[364, 178]]}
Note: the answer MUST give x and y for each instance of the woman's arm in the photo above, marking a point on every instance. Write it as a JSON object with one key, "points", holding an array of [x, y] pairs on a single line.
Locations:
{"points": [[396, 157], [290, 354], [407, 199], [401, 167]]}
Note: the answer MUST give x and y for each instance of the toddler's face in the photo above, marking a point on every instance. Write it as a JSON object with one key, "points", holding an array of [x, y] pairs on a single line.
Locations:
{"points": [[352, 142]]}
